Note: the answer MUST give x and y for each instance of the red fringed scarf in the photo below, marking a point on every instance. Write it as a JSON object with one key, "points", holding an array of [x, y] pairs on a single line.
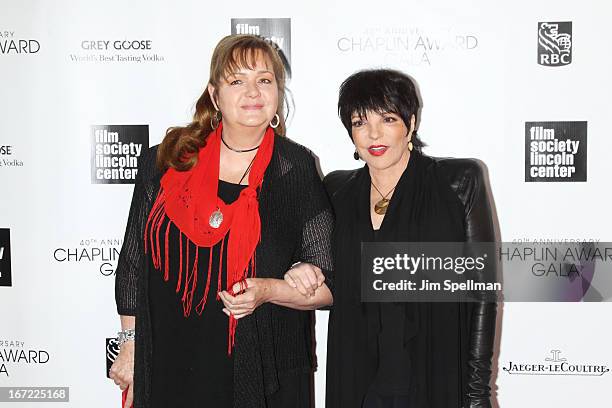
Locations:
{"points": [[188, 199]]}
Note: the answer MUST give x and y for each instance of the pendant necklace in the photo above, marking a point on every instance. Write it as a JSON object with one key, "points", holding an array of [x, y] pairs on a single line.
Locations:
{"points": [[380, 207], [216, 218]]}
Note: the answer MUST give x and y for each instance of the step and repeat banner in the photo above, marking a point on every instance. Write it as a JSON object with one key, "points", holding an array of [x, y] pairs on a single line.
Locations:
{"points": [[87, 86]]}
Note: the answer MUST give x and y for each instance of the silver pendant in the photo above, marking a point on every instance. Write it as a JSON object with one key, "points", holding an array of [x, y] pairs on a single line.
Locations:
{"points": [[216, 218]]}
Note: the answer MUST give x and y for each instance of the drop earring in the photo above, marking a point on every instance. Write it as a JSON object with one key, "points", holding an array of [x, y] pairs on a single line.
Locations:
{"points": [[215, 119], [356, 155], [410, 145]]}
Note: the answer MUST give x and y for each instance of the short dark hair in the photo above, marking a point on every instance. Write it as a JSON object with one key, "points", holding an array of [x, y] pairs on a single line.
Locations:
{"points": [[379, 90]]}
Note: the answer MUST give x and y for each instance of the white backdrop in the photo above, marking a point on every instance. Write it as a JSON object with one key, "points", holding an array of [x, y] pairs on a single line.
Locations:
{"points": [[476, 65]]}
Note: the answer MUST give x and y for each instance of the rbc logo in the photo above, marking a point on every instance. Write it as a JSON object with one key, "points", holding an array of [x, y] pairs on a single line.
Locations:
{"points": [[555, 44], [112, 351]]}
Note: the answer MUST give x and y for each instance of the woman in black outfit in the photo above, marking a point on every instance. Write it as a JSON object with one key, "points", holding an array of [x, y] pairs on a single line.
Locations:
{"points": [[409, 355], [222, 209]]}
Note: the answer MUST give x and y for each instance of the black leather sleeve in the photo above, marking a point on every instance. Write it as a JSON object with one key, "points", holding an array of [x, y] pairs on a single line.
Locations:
{"points": [[467, 178]]}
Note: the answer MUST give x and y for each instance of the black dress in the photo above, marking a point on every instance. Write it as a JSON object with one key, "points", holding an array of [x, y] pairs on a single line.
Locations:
{"points": [[391, 385], [447, 347], [273, 359], [393, 375], [191, 366]]}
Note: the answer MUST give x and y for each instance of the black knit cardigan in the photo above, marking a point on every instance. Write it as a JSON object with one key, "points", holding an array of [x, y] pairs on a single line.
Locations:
{"points": [[297, 225]]}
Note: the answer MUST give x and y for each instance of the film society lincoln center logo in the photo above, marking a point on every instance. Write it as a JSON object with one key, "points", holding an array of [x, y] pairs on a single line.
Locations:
{"points": [[555, 151], [115, 152], [5, 257], [276, 30], [555, 44]]}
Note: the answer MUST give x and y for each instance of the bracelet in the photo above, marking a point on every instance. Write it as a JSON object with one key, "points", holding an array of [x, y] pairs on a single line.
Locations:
{"points": [[125, 335]]}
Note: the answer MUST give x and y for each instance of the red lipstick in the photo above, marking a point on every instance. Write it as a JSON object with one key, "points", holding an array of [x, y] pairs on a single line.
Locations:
{"points": [[377, 150]]}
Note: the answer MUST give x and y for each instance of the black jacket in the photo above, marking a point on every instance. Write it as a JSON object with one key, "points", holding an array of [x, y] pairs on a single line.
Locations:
{"points": [[437, 199]]}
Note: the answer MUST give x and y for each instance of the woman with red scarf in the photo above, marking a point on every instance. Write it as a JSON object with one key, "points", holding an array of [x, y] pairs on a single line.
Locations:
{"points": [[224, 212]]}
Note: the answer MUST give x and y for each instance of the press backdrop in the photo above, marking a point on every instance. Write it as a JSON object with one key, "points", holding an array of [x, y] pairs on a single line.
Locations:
{"points": [[86, 85]]}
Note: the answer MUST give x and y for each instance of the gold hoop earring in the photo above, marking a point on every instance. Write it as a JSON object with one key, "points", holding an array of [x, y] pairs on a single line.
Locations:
{"points": [[277, 121], [215, 119]]}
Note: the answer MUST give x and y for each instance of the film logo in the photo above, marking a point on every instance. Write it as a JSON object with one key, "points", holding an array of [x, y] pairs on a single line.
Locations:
{"points": [[10, 44], [5, 257], [555, 44], [115, 151], [275, 30], [555, 151], [556, 365]]}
